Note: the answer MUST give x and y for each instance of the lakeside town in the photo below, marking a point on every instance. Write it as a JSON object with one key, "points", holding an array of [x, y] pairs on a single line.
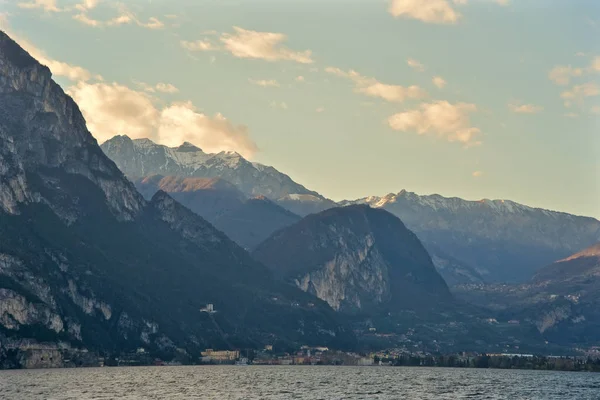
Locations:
{"points": [[319, 355]]}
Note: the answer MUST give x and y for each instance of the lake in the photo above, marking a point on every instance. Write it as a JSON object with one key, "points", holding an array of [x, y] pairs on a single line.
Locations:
{"points": [[295, 382]]}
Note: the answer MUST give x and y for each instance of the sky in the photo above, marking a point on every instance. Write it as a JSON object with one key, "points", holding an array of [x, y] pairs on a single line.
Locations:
{"points": [[495, 99]]}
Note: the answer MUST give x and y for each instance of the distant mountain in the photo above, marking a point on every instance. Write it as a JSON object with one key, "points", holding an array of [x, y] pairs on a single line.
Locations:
{"points": [[207, 197], [87, 263], [139, 158], [254, 221], [356, 258], [304, 204], [562, 301], [582, 266], [497, 240], [247, 221]]}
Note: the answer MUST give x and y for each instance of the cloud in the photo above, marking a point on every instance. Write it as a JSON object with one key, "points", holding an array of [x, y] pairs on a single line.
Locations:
{"points": [[282, 105], [439, 82], [595, 110], [561, 75], [264, 83], [571, 115], [198, 45], [578, 93], [431, 11], [300, 78], [414, 64], [595, 65], [442, 119], [46, 5], [125, 17], [87, 5], [159, 87], [477, 174], [181, 122], [152, 23], [519, 108], [267, 46], [111, 109], [84, 19], [120, 20], [373, 88], [503, 2], [320, 109]]}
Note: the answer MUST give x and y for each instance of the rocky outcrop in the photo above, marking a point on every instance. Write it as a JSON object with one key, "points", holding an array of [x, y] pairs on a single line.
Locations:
{"points": [[355, 258]]}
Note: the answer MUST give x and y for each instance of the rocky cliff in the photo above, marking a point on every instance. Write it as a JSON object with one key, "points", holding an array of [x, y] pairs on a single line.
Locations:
{"points": [[355, 258]]}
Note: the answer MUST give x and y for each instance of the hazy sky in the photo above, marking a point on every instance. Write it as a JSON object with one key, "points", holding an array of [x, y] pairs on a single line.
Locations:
{"points": [[470, 98]]}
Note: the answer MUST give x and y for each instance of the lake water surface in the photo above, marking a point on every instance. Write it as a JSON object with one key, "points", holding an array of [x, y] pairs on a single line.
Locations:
{"points": [[296, 382]]}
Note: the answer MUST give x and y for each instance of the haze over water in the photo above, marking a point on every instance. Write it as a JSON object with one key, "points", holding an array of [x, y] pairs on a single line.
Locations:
{"points": [[253, 382]]}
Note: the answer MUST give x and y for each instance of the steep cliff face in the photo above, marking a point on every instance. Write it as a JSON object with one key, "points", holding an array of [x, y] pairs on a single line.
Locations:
{"points": [[41, 128], [355, 258], [498, 240], [86, 262]]}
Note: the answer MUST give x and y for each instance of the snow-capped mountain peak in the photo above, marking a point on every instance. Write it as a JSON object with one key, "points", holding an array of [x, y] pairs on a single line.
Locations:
{"points": [[138, 158]]}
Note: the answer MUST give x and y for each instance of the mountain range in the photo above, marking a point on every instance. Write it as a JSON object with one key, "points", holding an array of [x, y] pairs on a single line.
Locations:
{"points": [[135, 244], [86, 263], [469, 241], [139, 158]]}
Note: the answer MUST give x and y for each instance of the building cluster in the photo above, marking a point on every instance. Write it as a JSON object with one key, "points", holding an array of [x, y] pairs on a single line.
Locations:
{"points": [[219, 357]]}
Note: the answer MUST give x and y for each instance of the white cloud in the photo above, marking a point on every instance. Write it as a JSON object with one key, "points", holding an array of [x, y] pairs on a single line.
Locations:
{"points": [[198, 45], [87, 5], [111, 109], [595, 110], [152, 23], [442, 119], [561, 75], [181, 122], [439, 82], [519, 108], [595, 65], [282, 105], [578, 93], [300, 78], [124, 17], [264, 83], [267, 46], [166, 88], [503, 2], [414, 64], [571, 115], [432, 11], [159, 87], [120, 20], [84, 19], [320, 109], [477, 174], [373, 88], [46, 5]]}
